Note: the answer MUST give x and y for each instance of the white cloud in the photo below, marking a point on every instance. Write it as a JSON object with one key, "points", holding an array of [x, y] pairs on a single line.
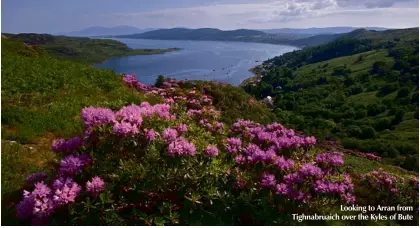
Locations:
{"points": [[277, 14]]}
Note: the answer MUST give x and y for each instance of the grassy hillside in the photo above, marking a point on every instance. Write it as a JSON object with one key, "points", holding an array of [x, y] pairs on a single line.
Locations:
{"points": [[82, 50], [357, 41], [42, 98], [187, 161], [365, 94]]}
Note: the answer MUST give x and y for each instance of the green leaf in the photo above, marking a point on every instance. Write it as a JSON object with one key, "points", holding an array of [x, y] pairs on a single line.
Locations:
{"points": [[159, 221]]}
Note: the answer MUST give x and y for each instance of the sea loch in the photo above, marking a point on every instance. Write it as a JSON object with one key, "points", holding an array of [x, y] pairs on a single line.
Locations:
{"points": [[227, 62]]}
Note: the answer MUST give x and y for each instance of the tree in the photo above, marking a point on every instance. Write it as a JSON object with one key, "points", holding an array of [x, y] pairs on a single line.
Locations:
{"points": [[399, 115], [353, 131], [367, 132], [341, 71], [349, 81], [380, 68], [359, 58], [403, 92], [160, 80], [415, 98], [387, 89], [382, 124]]}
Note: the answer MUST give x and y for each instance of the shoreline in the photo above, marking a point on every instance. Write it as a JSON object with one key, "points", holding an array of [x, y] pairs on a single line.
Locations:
{"points": [[214, 40], [256, 76], [152, 52]]}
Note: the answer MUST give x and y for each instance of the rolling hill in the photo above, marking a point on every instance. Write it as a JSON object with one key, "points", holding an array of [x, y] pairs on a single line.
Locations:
{"points": [[104, 31], [361, 89], [83, 50], [318, 31], [241, 35]]}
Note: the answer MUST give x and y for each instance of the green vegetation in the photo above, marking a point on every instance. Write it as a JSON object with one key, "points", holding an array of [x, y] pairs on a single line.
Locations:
{"points": [[361, 88], [82, 50], [41, 94], [42, 98]]}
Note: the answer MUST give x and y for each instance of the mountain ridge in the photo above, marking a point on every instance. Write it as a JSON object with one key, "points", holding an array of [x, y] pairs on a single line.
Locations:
{"points": [[318, 30], [240, 35], [105, 31]]}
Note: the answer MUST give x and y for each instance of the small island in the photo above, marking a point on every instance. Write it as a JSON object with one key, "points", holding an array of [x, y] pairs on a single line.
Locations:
{"points": [[82, 49]]}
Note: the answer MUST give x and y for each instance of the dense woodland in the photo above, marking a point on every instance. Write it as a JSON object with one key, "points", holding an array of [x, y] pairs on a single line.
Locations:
{"points": [[361, 88]]}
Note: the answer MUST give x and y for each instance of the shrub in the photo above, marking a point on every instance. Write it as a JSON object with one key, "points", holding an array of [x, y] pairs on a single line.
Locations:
{"points": [[399, 115], [367, 132], [160, 80], [341, 71], [361, 114], [353, 131], [380, 68], [411, 162], [173, 163], [415, 98], [403, 92], [382, 124], [387, 89]]}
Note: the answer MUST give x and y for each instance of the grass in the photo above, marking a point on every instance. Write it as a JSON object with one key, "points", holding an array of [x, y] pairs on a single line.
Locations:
{"points": [[46, 95], [42, 98], [364, 165], [18, 162], [83, 50]]}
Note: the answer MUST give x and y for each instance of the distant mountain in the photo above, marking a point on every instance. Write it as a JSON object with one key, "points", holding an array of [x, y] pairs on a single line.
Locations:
{"points": [[106, 31], [242, 35], [318, 31], [196, 34]]}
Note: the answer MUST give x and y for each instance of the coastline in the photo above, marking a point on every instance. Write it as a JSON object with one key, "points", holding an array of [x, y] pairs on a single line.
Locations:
{"points": [[140, 52], [251, 80]]}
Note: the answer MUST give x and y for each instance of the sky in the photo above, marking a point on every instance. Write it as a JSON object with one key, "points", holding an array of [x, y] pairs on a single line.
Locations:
{"points": [[55, 16]]}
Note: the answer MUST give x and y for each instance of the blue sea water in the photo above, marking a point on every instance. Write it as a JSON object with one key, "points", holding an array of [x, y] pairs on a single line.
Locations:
{"points": [[227, 62]]}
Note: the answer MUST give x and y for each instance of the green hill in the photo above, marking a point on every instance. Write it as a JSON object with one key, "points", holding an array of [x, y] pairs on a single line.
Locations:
{"points": [[242, 35], [361, 88], [80, 49]]}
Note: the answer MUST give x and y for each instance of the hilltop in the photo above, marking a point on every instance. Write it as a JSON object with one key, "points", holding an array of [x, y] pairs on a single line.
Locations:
{"points": [[361, 89], [242, 35], [319, 31], [105, 31], [81, 49]]}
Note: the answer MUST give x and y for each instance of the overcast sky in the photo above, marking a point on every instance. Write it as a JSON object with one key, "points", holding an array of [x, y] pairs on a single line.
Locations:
{"points": [[51, 16]]}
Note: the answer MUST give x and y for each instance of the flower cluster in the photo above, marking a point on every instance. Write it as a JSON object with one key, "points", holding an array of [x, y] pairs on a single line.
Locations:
{"points": [[213, 127], [269, 159], [95, 186], [66, 146], [73, 164], [65, 191], [170, 134], [36, 177], [96, 117], [371, 156], [212, 151], [181, 146], [43, 201], [131, 81], [380, 179]]}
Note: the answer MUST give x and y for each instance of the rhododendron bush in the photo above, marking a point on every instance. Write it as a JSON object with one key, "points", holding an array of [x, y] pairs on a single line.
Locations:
{"points": [[176, 163]]}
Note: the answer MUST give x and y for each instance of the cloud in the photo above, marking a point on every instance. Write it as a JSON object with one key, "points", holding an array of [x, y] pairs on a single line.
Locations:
{"points": [[276, 14], [372, 3]]}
